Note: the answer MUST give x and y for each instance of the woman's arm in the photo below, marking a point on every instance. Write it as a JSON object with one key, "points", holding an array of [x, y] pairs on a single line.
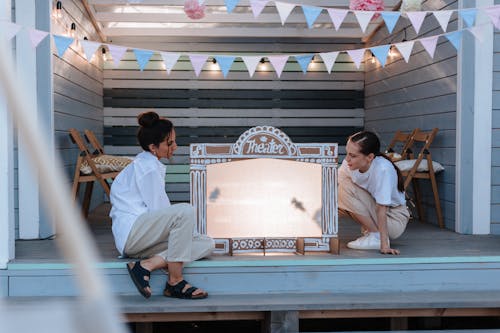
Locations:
{"points": [[382, 228]]}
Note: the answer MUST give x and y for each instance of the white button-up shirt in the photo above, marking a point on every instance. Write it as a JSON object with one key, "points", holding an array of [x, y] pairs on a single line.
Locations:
{"points": [[138, 189]]}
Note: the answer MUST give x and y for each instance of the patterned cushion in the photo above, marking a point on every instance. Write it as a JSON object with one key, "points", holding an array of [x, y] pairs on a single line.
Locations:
{"points": [[406, 165], [106, 163]]}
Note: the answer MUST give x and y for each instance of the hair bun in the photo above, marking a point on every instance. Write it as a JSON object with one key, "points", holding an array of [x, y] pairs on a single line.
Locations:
{"points": [[148, 119]]}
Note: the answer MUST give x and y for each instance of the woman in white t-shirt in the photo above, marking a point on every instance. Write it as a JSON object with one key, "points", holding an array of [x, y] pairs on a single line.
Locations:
{"points": [[145, 225], [371, 191]]}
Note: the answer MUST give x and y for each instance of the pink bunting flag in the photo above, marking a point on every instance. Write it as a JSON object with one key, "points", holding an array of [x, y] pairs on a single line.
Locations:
{"points": [[356, 56], [284, 10], [405, 49], [363, 18], [117, 53], [36, 36], [278, 62], [494, 15], [257, 6], [198, 60], [251, 62], [443, 17], [416, 19], [429, 44], [329, 60], [337, 16], [10, 29]]}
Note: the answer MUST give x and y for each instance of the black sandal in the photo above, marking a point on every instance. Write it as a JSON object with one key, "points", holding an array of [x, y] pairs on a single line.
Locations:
{"points": [[179, 292], [138, 274]]}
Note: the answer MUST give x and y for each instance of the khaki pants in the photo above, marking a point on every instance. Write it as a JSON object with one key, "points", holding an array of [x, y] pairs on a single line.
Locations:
{"points": [[168, 233], [357, 200]]}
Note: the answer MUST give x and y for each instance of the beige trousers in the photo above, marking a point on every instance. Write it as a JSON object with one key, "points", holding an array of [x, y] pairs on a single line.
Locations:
{"points": [[357, 200], [168, 233]]}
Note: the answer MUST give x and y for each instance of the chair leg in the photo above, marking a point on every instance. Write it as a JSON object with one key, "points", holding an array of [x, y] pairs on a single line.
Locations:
{"points": [[418, 200], [86, 198], [436, 200]]}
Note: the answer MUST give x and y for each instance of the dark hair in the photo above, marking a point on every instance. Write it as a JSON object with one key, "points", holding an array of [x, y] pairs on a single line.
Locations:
{"points": [[153, 129], [370, 144]]}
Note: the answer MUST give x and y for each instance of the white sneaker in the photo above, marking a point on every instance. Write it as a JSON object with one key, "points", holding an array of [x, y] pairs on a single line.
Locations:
{"points": [[370, 241]]}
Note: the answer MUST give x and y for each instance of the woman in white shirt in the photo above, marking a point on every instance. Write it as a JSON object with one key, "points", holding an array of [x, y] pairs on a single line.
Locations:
{"points": [[145, 225], [371, 191]]}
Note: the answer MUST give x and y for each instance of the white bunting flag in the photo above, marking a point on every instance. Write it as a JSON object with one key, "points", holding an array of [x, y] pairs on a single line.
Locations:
{"points": [[329, 60], [429, 44], [356, 56], [36, 36], [479, 32], [169, 59], [364, 18], [278, 62], [416, 19], [198, 61], [337, 16], [10, 29], [443, 17], [257, 6], [405, 49], [117, 53], [89, 48], [284, 10], [251, 62]]}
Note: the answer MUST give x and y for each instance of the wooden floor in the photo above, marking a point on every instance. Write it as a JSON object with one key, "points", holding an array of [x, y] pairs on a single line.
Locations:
{"points": [[419, 241]]}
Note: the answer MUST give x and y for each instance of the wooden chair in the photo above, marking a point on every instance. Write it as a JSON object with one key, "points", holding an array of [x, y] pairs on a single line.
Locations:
{"points": [[423, 167], [85, 157], [92, 139], [400, 146]]}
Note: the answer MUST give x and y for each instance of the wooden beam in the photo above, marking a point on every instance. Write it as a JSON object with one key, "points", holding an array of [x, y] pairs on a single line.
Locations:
{"points": [[193, 316], [393, 313], [90, 13]]}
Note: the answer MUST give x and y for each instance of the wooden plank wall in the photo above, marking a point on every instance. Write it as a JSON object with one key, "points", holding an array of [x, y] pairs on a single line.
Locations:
{"points": [[78, 89], [312, 107], [420, 94], [495, 144]]}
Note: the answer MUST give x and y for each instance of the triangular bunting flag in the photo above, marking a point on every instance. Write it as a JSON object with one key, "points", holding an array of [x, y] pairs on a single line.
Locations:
{"points": [[304, 60], [251, 62], [390, 19], [455, 38], [258, 6], [62, 44], [284, 10], [429, 44], [363, 18], [329, 60], [170, 59], [198, 60], [311, 13], [225, 63], [443, 17], [478, 32], [117, 53], [494, 14], [468, 15], [231, 5], [278, 62], [89, 48], [142, 57], [405, 49], [380, 52], [337, 16], [36, 36], [356, 56], [10, 29], [416, 19]]}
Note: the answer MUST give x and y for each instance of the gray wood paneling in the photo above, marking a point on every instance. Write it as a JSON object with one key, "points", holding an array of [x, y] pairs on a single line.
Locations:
{"points": [[421, 93]]}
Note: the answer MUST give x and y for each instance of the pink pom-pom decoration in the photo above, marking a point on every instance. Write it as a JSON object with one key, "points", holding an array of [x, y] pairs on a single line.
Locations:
{"points": [[371, 5], [194, 10]]}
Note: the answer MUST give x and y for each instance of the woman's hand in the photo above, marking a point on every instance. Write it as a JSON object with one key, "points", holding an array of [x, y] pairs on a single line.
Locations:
{"points": [[388, 250]]}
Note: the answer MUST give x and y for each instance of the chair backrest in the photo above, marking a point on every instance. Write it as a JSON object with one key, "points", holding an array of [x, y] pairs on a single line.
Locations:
{"points": [[401, 144], [425, 139], [92, 139], [77, 139]]}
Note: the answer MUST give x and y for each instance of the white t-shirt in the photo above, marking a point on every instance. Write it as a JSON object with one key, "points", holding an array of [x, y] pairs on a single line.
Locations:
{"points": [[380, 180], [139, 188]]}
